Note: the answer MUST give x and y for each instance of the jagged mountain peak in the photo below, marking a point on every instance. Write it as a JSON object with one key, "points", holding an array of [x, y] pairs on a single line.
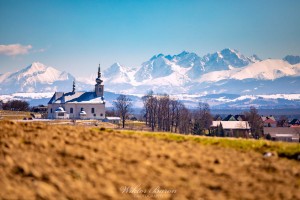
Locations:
{"points": [[183, 53], [228, 50], [225, 59], [157, 56], [116, 64], [35, 67], [36, 77], [114, 69]]}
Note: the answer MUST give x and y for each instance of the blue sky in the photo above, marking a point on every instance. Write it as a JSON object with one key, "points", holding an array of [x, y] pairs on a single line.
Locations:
{"points": [[76, 35]]}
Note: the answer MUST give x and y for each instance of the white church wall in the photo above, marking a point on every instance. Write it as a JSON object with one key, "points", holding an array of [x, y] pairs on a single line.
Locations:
{"points": [[99, 110]]}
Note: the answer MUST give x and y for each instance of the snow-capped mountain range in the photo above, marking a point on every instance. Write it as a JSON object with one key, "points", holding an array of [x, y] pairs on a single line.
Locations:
{"points": [[213, 73], [34, 78], [226, 71]]}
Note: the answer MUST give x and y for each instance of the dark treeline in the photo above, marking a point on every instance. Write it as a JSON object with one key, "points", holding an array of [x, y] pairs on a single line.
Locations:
{"points": [[15, 105], [163, 113]]}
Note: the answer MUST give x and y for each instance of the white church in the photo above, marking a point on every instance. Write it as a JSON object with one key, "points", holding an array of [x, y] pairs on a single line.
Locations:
{"points": [[78, 105]]}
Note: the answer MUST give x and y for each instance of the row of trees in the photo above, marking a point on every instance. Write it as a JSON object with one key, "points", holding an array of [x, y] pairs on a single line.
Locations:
{"points": [[166, 114], [163, 113], [15, 105]]}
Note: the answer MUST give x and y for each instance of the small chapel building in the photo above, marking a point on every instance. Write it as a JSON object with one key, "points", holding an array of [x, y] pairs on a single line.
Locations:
{"points": [[78, 105]]}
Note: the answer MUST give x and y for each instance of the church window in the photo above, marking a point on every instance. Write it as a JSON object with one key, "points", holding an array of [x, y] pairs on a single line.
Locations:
{"points": [[81, 109], [101, 114], [93, 110], [71, 110], [51, 110]]}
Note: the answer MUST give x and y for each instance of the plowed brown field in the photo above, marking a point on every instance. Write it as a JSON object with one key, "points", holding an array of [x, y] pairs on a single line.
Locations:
{"points": [[40, 161]]}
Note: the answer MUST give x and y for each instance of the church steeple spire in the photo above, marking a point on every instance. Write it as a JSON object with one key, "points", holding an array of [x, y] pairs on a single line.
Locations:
{"points": [[99, 87], [98, 79]]}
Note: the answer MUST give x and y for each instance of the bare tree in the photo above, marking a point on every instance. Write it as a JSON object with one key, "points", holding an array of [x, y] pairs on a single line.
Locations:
{"points": [[283, 121], [123, 106], [183, 119], [202, 119], [163, 113], [150, 108], [255, 122]]}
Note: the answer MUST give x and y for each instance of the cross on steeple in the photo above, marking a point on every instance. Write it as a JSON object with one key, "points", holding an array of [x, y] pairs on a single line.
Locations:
{"points": [[73, 90]]}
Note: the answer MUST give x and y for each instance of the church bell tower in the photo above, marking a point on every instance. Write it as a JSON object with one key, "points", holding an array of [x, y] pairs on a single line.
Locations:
{"points": [[99, 87]]}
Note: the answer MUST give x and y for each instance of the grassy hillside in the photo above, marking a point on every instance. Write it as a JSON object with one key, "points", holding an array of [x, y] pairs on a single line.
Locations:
{"points": [[44, 161]]}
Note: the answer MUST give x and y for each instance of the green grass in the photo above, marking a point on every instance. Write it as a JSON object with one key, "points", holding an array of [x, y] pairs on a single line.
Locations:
{"points": [[282, 149]]}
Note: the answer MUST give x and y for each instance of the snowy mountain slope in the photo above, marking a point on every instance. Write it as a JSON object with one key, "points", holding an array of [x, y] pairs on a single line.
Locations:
{"points": [[283, 85], [223, 60], [4, 76], [186, 59], [117, 74], [35, 78], [265, 70], [157, 66]]}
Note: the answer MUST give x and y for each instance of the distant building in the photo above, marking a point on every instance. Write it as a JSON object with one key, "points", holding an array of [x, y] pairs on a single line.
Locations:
{"points": [[234, 128], [269, 121], [234, 118], [229, 118], [240, 117], [286, 134], [78, 105], [295, 122], [40, 109], [113, 120], [217, 118]]}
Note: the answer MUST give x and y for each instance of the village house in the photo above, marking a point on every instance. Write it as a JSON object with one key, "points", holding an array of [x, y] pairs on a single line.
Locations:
{"points": [[218, 118], [78, 105], [234, 118], [269, 121], [234, 128], [295, 122]]}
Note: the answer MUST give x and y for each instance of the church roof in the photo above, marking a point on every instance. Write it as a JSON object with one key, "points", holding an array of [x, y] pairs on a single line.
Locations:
{"points": [[75, 97]]}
